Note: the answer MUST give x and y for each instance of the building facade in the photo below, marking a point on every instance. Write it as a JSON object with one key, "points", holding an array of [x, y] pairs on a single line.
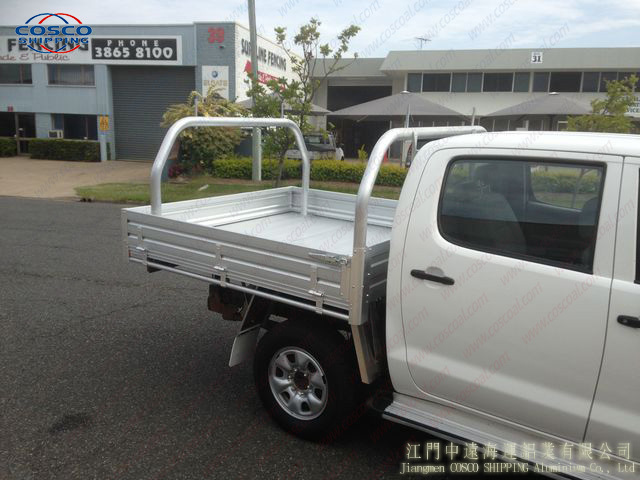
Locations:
{"points": [[475, 83], [128, 73]]}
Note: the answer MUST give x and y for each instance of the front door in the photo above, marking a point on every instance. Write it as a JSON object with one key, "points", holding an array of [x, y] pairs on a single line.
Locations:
{"points": [[506, 283], [614, 424]]}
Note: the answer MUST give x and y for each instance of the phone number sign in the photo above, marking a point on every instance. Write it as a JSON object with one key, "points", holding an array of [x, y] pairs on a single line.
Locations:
{"points": [[135, 49]]}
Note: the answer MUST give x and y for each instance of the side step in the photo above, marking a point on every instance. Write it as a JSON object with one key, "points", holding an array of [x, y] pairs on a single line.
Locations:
{"points": [[464, 427]]}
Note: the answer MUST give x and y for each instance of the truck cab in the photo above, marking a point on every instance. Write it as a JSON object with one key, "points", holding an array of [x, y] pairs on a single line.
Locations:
{"points": [[515, 297]]}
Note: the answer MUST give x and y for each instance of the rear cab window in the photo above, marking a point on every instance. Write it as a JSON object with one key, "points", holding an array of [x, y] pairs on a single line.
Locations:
{"points": [[541, 211]]}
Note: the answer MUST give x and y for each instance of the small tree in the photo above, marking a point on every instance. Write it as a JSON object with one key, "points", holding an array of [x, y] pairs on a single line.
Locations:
{"points": [[608, 114], [201, 146], [299, 92]]}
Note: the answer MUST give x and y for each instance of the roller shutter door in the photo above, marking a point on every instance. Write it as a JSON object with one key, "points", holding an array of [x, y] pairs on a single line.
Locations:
{"points": [[140, 97]]}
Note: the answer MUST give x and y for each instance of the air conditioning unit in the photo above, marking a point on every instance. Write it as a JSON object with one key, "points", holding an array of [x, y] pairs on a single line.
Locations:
{"points": [[56, 134]]}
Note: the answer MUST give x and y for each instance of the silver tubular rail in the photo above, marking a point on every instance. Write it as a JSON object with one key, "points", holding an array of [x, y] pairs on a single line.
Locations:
{"points": [[187, 122], [356, 315]]}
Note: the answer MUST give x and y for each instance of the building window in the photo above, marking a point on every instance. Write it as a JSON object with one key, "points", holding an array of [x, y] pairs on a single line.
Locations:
{"points": [[607, 77], [521, 82], [459, 82], [71, 75], [565, 81], [76, 127], [498, 82], [510, 208], [17, 74], [57, 121], [474, 82], [590, 81], [414, 82], [436, 82], [541, 82]]}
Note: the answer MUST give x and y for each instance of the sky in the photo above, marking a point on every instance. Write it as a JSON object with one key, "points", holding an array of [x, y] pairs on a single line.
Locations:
{"points": [[385, 24]]}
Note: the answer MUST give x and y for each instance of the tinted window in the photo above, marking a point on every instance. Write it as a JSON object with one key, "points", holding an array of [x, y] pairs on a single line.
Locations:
{"points": [[15, 73], [436, 82], [565, 82], [71, 75], [541, 82], [474, 82], [459, 82], [542, 211], [497, 82], [521, 83], [607, 77], [590, 81], [414, 82]]}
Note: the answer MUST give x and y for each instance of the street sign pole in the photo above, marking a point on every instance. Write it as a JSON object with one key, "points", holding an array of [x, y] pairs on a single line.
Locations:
{"points": [[256, 138]]}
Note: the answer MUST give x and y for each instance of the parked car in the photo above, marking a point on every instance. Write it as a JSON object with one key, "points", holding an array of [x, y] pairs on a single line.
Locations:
{"points": [[499, 294], [320, 145]]}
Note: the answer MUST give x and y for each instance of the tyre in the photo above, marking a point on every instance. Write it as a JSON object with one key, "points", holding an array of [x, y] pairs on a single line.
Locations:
{"points": [[306, 377]]}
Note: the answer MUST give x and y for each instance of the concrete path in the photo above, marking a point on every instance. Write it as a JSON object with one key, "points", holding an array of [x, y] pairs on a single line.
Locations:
{"points": [[25, 177]]}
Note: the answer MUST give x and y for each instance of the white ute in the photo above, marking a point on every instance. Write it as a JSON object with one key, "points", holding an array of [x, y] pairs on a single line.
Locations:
{"points": [[500, 294]]}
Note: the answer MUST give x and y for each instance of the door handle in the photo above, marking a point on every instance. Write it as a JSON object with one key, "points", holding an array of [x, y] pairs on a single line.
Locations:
{"points": [[432, 278], [627, 321]]}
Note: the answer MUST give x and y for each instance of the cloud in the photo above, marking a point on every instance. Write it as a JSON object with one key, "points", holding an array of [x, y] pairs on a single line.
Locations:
{"points": [[386, 24]]}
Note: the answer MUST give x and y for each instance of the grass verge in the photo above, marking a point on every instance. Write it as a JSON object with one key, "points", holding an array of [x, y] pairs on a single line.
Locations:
{"points": [[200, 187]]}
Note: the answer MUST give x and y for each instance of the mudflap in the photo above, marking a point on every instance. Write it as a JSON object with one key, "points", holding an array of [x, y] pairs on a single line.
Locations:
{"points": [[244, 345]]}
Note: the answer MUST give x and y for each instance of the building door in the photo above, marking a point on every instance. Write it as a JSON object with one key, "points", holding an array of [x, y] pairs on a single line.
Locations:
{"points": [[506, 284], [26, 127], [140, 96]]}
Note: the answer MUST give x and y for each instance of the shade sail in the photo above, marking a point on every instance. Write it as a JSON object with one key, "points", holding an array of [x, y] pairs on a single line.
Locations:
{"points": [[549, 104], [397, 106]]}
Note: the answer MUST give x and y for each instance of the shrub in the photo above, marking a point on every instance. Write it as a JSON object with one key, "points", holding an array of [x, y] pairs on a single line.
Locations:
{"points": [[242, 168], [62, 149], [557, 182], [321, 170], [8, 147]]}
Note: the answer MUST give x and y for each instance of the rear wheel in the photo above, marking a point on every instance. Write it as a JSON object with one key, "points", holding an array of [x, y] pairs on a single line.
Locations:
{"points": [[306, 378]]}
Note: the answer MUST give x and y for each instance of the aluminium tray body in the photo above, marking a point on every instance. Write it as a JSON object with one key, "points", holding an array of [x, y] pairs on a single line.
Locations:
{"points": [[260, 240]]}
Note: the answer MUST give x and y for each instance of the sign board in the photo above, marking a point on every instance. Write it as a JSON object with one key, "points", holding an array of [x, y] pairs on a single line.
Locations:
{"points": [[536, 57], [216, 77], [103, 122], [123, 50], [273, 61]]}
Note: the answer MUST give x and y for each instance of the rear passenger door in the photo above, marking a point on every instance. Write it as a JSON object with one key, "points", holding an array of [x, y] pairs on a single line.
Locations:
{"points": [[615, 417], [506, 283]]}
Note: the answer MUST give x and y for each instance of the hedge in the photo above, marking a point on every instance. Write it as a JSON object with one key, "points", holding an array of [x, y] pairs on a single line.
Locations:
{"points": [[62, 149], [321, 170], [8, 147], [557, 182]]}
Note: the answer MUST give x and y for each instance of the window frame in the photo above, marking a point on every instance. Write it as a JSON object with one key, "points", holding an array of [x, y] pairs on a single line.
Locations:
{"points": [[498, 79], [533, 82], [528, 258], [419, 75], [21, 67], [521, 75], [85, 68], [436, 77]]}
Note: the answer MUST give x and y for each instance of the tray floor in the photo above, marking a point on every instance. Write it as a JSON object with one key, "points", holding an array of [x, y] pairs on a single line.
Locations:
{"points": [[314, 232]]}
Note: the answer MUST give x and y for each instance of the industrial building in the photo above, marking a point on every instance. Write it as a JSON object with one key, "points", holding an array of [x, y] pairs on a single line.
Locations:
{"points": [[65, 95]]}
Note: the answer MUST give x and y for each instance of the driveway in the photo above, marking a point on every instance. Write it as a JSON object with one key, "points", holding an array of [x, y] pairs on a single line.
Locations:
{"points": [[26, 177]]}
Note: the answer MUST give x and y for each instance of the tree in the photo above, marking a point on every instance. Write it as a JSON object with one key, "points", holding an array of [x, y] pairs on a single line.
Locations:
{"points": [[201, 146], [298, 92], [608, 114]]}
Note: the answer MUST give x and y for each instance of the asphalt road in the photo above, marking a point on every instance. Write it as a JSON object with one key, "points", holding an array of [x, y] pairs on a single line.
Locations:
{"points": [[108, 372]]}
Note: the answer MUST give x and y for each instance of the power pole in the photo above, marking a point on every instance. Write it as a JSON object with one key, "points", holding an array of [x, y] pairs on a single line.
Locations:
{"points": [[256, 137]]}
